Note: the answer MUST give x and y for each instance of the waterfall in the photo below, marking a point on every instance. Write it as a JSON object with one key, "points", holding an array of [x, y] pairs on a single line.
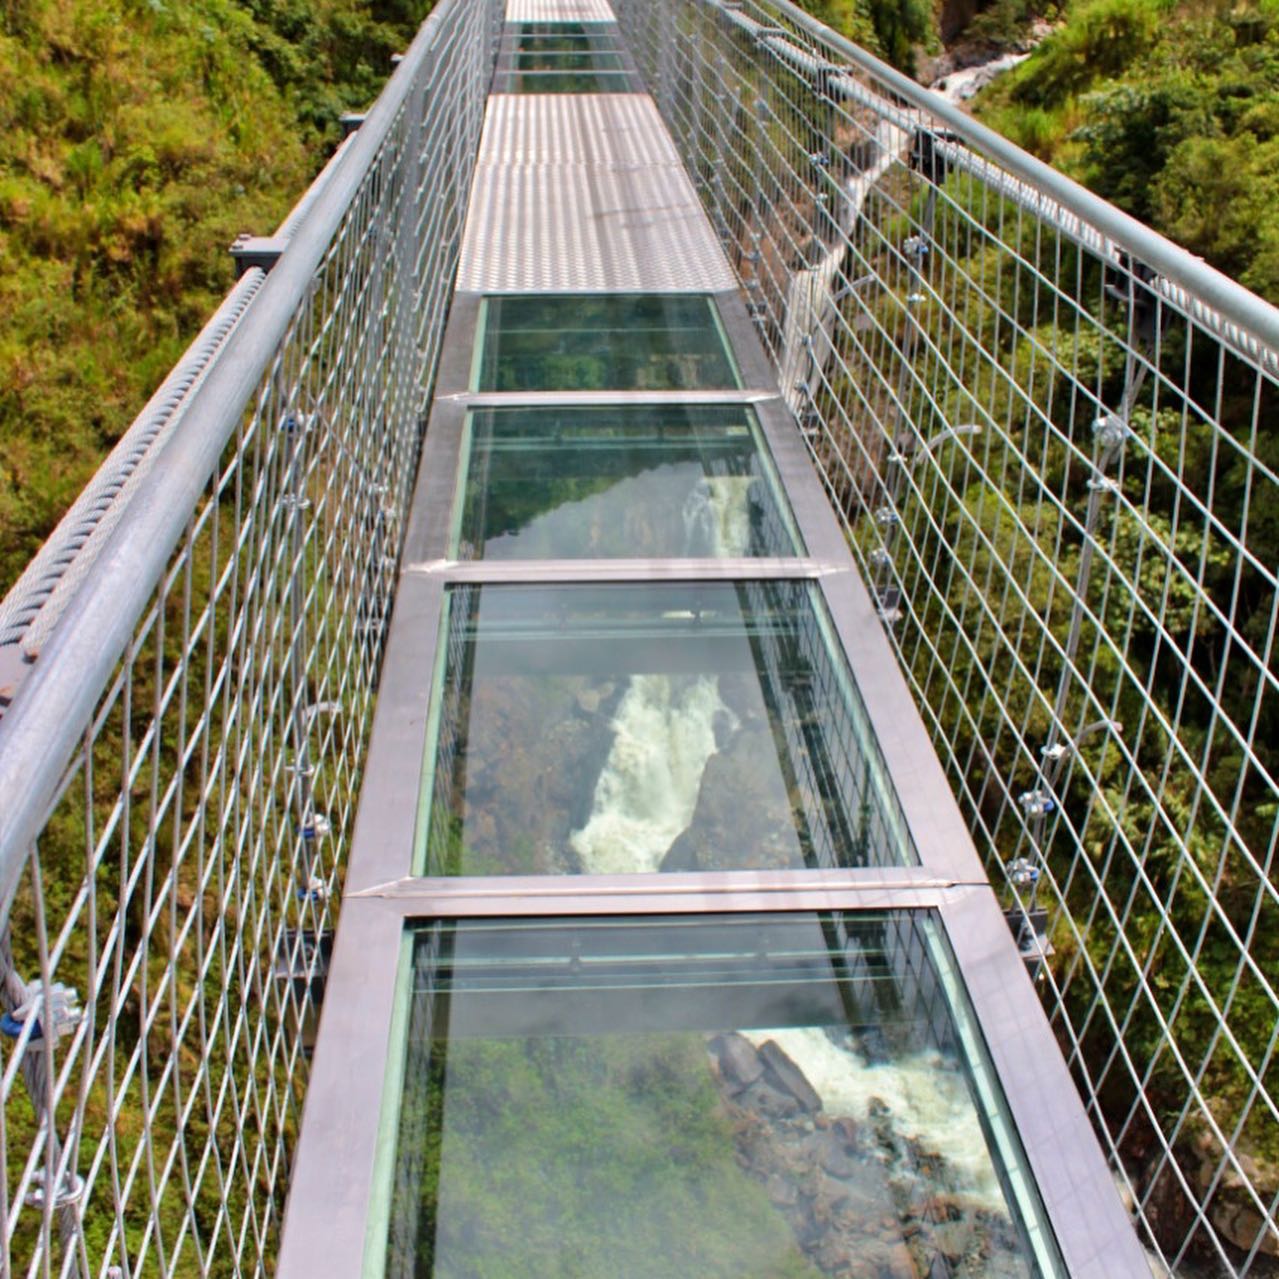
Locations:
{"points": [[664, 732], [717, 516], [664, 728], [927, 1101]]}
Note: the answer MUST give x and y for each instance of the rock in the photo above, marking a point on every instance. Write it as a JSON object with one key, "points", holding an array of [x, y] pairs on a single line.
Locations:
{"points": [[834, 1160], [530, 769], [789, 1076], [742, 819], [739, 1062], [764, 1098], [951, 1240], [846, 1127], [1243, 1225], [588, 701], [898, 1264], [781, 1190]]}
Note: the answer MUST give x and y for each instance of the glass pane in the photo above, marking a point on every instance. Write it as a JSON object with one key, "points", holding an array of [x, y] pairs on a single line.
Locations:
{"points": [[587, 61], [752, 1097], [565, 43], [620, 481], [522, 31], [567, 82], [609, 342], [638, 728]]}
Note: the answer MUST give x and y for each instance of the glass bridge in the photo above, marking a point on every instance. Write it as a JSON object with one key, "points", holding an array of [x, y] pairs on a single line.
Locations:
{"points": [[679, 684]]}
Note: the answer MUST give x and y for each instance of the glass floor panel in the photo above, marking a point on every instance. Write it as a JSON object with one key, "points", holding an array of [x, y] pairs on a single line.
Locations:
{"points": [[566, 62], [609, 342], [521, 31], [619, 481], [619, 729], [583, 43], [752, 1097], [566, 82]]}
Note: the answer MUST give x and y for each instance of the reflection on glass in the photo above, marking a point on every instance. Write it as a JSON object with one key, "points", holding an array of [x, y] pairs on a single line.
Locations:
{"points": [[524, 31], [602, 342], [752, 1097], [567, 62], [567, 82], [565, 43], [639, 728], [620, 481]]}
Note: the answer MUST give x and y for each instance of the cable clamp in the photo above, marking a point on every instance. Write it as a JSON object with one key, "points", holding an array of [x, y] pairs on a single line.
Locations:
{"points": [[1111, 431], [69, 1190], [61, 1012], [1037, 803], [314, 889], [317, 828], [1023, 872]]}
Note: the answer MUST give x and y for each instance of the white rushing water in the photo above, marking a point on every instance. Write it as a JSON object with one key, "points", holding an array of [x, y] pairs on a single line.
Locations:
{"points": [[927, 1102], [664, 728], [664, 732], [717, 516], [967, 82]]}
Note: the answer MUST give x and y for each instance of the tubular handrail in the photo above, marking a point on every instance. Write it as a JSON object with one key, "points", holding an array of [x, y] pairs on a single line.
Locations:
{"points": [[1208, 287], [1043, 427], [33, 604], [40, 731]]}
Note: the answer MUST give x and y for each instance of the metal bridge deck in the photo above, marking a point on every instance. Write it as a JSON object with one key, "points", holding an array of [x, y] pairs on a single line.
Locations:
{"points": [[585, 194]]}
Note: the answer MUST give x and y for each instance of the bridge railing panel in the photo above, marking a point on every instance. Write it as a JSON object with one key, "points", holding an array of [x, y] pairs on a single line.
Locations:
{"points": [[180, 764], [1049, 434]]}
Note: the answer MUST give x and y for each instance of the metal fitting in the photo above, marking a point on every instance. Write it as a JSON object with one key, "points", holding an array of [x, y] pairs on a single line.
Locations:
{"points": [[1037, 803], [317, 828], [59, 1013], [68, 1190], [1023, 872], [1110, 430], [314, 889]]}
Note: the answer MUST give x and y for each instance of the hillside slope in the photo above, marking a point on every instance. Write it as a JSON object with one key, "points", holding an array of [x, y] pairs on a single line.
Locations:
{"points": [[1170, 109], [137, 138]]}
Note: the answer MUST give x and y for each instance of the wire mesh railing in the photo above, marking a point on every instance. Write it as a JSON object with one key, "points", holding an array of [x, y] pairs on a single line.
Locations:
{"points": [[1049, 434], [180, 764]]}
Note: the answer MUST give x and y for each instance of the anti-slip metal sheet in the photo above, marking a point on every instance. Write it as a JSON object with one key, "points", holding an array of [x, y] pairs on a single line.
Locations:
{"points": [[605, 128], [583, 194], [559, 11]]}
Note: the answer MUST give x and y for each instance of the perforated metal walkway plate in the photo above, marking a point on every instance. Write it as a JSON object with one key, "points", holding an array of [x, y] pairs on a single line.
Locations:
{"points": [[559, 11], [577, 194]]}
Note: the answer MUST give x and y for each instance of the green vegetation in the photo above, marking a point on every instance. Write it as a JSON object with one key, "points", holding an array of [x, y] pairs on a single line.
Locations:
{"points": [[137, 139], [592, 1157], [892, 28], [1171, 111]]}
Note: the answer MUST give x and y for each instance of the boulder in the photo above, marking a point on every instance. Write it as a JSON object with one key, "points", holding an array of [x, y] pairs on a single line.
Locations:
{"points": [[739, 1063], [743, 818], [788, 1076]]}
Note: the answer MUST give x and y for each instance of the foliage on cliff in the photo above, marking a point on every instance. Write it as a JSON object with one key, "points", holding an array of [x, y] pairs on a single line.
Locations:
{"points": [[1170, 110], [137, 138]]}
